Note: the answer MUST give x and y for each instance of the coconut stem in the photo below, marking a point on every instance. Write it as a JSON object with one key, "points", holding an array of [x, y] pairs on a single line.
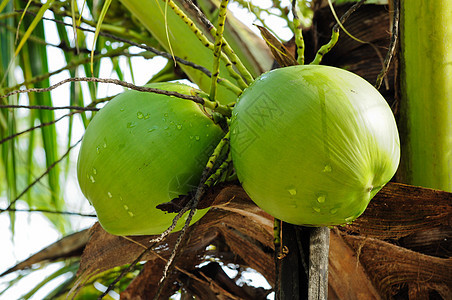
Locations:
{"points": [[335, 32], [217, 49], [299, 42], [226, 47], [201, 37], [327, 47]]}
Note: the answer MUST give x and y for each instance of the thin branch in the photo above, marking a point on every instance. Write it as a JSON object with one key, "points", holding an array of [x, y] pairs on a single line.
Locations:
{"points": [[46, 107], [392, 45], [40, 177], [50, 212], [195, 99], [348, 13]]}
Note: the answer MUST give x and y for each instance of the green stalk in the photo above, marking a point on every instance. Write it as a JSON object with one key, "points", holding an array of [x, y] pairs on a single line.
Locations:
{"points": [[185, 44], [180, 40], [426, 93], [205, 41], [299, 42], [248, 46], [326, 48], [217, 49]]}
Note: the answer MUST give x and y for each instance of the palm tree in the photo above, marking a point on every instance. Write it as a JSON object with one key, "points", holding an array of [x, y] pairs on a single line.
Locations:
{"points": [[398, 248]]}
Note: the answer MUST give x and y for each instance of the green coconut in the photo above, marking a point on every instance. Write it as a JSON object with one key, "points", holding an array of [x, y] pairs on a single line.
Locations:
{"points": [[141, 150], [312, 145]]}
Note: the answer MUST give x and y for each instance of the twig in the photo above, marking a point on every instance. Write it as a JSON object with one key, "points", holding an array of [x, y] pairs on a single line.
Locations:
{"points": [[392, 45], [195, 99], [213, 105], [49, 211], [46, 107], [173, 224]]}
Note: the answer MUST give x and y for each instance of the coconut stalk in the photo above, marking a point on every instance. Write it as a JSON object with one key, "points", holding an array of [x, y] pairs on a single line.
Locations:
{"points": [[426, 93], [179, 39]]}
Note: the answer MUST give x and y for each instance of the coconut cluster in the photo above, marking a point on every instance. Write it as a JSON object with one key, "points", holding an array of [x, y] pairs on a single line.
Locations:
{"points": [[311, 145]]}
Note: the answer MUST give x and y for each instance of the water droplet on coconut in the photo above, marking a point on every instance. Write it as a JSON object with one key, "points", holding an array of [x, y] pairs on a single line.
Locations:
{"points": [[153, 128], [292, 191], [191, 137], [98, 150], [166, 127], [125, 207], [333, 211], [91, 178], [197, 137], [140, 115], [131, 124], [94, 171], [105, 143], [191, 125], [146, 116], [120, 198], [327, 169], [131, 214], [109, 195], [121, 109], [179, 126], [321, 198], [165, 115], [316, 209]]}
